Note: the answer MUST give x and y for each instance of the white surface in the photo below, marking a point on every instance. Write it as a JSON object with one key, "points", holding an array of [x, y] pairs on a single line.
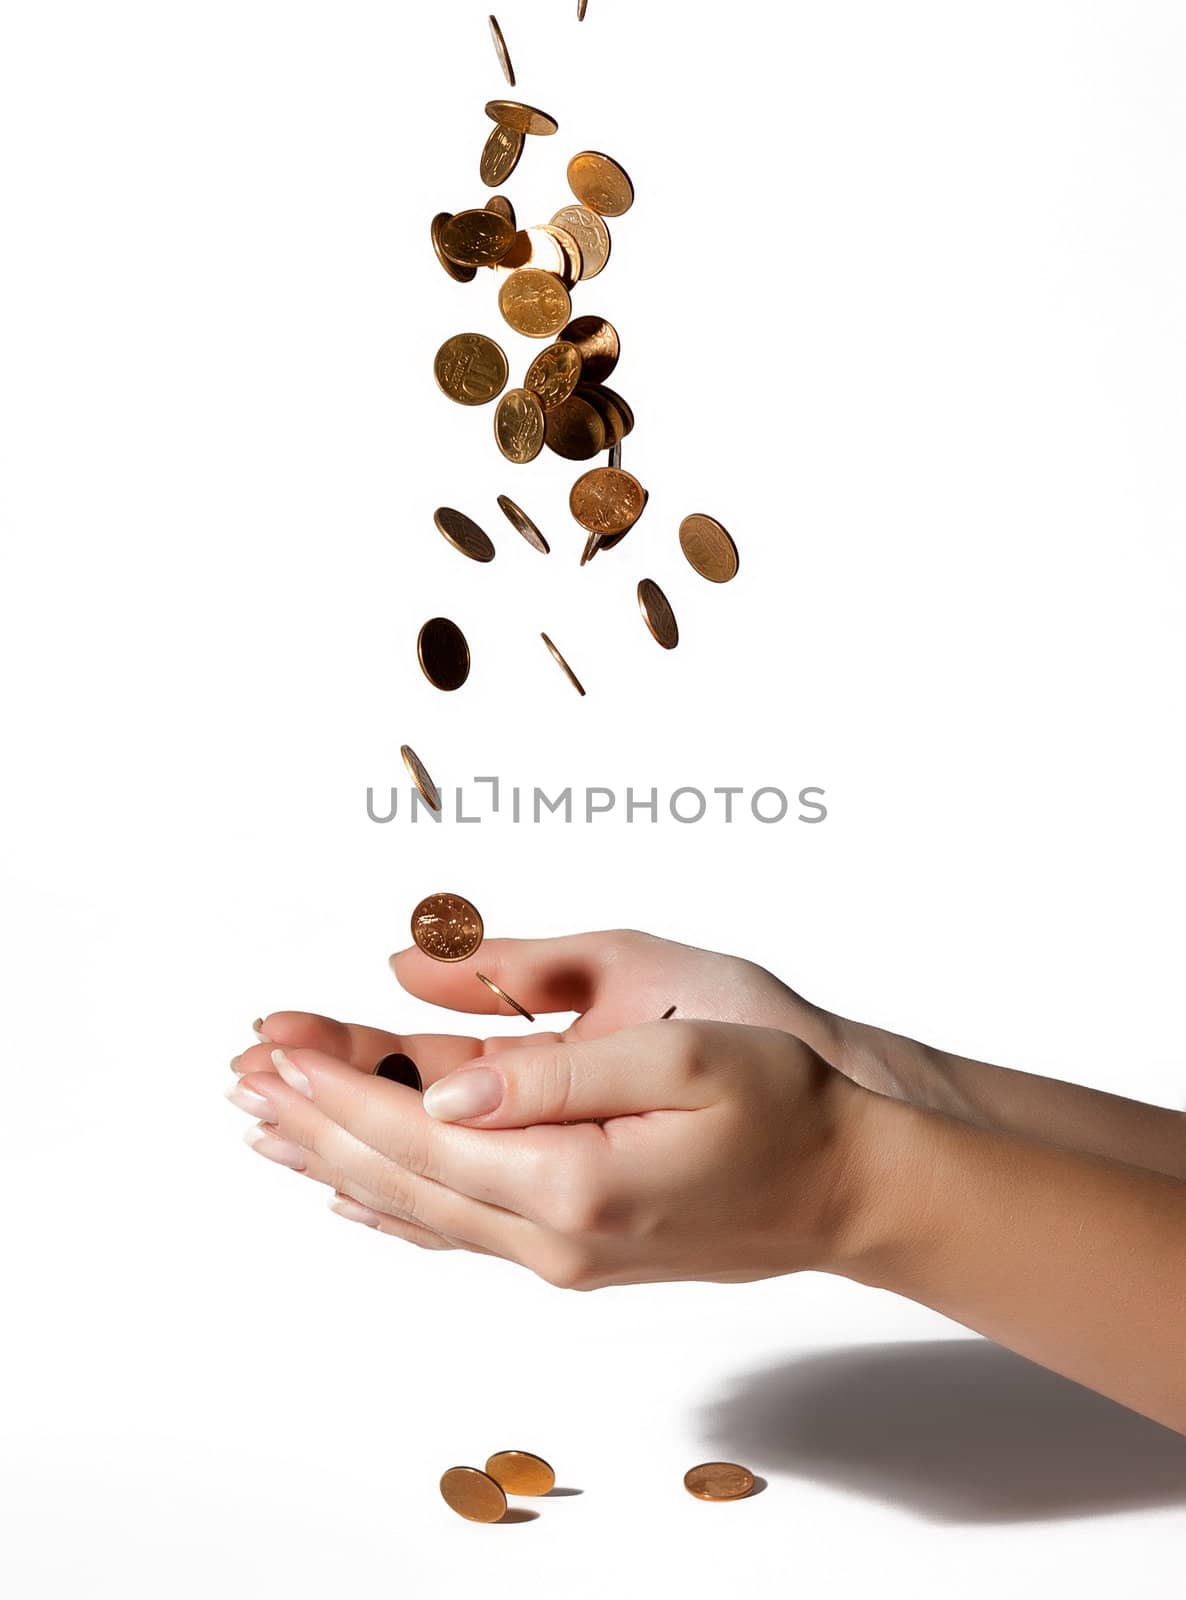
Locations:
{"points": [[902, 302]]}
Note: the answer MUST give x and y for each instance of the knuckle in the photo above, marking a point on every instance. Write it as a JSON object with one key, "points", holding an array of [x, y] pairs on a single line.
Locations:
{"points": [[567, 1266], [579, 1203]]}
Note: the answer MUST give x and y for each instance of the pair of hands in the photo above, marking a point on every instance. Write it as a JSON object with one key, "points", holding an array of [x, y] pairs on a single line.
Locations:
{"points": [[724, 1149]]}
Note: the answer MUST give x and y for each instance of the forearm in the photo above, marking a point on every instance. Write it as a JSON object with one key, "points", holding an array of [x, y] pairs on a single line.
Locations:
{"points": [[1075, 1261]]}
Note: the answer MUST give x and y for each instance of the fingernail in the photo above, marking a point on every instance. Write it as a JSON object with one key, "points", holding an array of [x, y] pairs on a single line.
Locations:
{"points": [[292, 1074], [469, 1093], [353, 1212], [236, 1063], [257, 1028], [267, 1144], [247, 1100]]}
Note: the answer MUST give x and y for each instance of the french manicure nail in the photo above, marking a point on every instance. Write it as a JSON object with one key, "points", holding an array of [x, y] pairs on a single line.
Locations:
{"points": [[257, 1028], [247, 1100], [267, 1144], [236, 1063], [292, 1074], [353, 1212], [470, 1093]]}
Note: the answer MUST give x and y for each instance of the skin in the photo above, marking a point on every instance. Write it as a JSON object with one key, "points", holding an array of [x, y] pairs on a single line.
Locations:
{"points": [[764, 1137]]}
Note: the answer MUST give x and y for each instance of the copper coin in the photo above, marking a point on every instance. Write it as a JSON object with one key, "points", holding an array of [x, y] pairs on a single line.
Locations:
{"points": [[572, 268], [612, 539], [471, 369], [420, 777], [623, 406], [476, 238], [668, 1014], [463, 534], [575, 430], [400, 1069], [590, 233], [592, 546], [500, 48], [582, 7], [500, 204], [719, 1480], [519, 1472], [447, 928], [615, 455], [554, 374], [657, 614], [500, 156], [458, 274], [443, 653], [535, 303], [502, 995], [522, 523], [609, 411], [708, 547], [523, 119], [563, 665], [535, 247], [607, 500], [600, 183], [598, 342], [519, 426], [473, 1494]]}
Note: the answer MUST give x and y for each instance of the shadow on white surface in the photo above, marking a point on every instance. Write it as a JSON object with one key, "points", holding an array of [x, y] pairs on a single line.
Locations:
{"points": [[953, 1430]]}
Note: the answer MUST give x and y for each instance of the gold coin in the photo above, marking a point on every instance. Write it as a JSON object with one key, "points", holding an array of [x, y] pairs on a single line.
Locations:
{"points": [[519, 426], [575, 430], [554, 374], [607, 500], [623, 406], [610, 412], [443, 654], [463, 534], [458, 274], [600, 183], [500, 156], [399, 1068], [572, 259], [420, 777], [476, 238], [563, 665], [522, 523], [447, 928], [590, 233], [598, 342], [500, 47], [719, 1480], [471, 369], [708, 547], [522, 119], [535, 303], [657, 614], [473, 1495], [534, 247], [519, 1472], [501, 995], [502, 206]]}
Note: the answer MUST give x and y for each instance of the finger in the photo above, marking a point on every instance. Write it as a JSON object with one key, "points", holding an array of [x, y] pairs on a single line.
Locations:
{"points": [[434, 1053], [343, 1206], [544, 975]]}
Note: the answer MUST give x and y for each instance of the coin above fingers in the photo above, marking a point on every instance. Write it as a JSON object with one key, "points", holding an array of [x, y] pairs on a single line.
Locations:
{"points": [[501, 994], [447, 927], [399, 1068]]}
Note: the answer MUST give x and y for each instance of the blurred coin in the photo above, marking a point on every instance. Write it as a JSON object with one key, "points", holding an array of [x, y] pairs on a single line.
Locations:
{"points": [[500, 204], [600, 183], [500, 47], [582, 7], [615, 455], [473, 1494], [668, 1014], [598, 342], [572, 260], [623, 406], [719, 1480], [554, 374], [447, 928], [590, 233], [519, 426], [499, 993], [458, 274], [463, 534], [708, 547], [657, 614], [471, 369], [420, 777], [522, 523], [607, 408], [534, 247], [476, 238], [443, 654], [500, 156], [563, 665], [519, 1472], [607, 500], [522, 119], [575, 430], [400, 1069], [534, 303], [592, 546]]}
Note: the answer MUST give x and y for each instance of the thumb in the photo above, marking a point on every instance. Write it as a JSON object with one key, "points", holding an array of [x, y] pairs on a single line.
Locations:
{"points": [[657, 1067]]}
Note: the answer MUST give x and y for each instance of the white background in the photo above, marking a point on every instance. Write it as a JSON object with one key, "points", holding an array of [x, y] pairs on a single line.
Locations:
{"points": [[902, 303]]}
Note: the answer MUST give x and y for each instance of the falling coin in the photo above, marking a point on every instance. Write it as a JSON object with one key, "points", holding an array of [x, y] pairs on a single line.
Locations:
{"points": [[471, 369], [554, 374], [657, 614], [719, 1480], [500, 156], [607, 500], [519, 426], [607, 406], [582, 7], [400, 1069], [473, 1494], [420, 777], [501, 995], [575, 430], [564, 666], [463, 533], [519, 1472], [592, 546], [590, 233], [598, 342], [504, 57], [458, 274], [668, 1014], [522, 119], [615, 399], [476, 238], [535, 247], [600, 183], [615, 455], [447, 928], [708, 547], [522, 523], [535, 303], [502, 206], [443, 654]]}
